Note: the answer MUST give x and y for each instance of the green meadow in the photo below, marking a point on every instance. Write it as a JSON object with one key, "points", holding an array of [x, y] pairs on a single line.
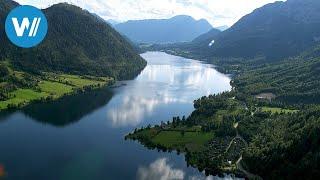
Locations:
{"points": [[277, 110], [194, 141], [52, 86]]}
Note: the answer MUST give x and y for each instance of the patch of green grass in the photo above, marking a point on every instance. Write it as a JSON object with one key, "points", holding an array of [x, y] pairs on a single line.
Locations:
{"points": [[277, 110], [194, 141], [147, 133], [55, 89], [185, 128], [22, 96], [81, 82]]}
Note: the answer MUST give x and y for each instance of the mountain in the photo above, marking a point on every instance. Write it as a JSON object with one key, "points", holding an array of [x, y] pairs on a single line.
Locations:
{"points": [[294, 80], [177, 29], [207, 37], [276, 30], [77, 43], [112, 22], [222, 28]]}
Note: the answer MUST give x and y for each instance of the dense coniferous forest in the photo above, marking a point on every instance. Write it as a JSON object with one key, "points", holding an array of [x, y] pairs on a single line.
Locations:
{"points": [[78, 43], [293, 80]]}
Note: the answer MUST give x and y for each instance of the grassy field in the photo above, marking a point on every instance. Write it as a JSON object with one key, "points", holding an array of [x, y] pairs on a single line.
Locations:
{"points": [[186, 128], [55, 89], [194, 141], [176, 138], [81, 82], [277, 110], [55, 86], [22, 96]]}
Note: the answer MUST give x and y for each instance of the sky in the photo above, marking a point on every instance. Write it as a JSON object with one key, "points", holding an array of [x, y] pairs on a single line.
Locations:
{"points": [[217, 12]]}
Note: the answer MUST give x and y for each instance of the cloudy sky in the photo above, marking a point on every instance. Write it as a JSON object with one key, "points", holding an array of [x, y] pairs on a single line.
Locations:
{"points": [[217, 12]]}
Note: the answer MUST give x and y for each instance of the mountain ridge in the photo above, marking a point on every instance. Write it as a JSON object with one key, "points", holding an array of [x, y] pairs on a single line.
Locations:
{"points": [[276, 30], [94, 49], [180, 28]]}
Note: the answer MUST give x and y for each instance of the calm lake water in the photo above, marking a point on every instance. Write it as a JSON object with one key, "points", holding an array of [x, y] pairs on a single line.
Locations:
{"points": [[82, 136]]}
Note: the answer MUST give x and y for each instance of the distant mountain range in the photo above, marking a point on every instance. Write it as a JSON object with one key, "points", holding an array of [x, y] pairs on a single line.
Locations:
{"points": [[112, 22], [77, 42], [276, 30], [207, 37], [222, 28], [177, 29]]}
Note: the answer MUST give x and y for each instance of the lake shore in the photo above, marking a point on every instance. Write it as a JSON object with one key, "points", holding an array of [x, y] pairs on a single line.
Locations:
{"points": [[83, 126], [51, 87]]}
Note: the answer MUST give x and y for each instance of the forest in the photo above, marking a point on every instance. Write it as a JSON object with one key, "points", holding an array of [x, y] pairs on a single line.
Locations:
{"points": [[266, 127], [80, 52]]}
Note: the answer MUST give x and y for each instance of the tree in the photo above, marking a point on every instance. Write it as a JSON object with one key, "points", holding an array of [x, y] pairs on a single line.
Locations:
{"points": [[3, 71]]}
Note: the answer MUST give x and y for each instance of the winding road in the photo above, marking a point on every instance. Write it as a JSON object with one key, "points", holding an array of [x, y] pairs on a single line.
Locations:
{"points": [[238, 163]]}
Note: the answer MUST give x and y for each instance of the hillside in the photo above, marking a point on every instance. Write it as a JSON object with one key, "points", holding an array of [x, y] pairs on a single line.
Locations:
{"points": [[78, 43], [276, 30], [294, 80], [81, 52], [177, 29], [207, 37], [237, 132]]}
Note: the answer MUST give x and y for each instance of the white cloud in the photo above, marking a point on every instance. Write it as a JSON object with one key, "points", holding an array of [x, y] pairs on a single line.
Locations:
{"points": [[217, 12], [159, 170], [162, 170], [139, 99]]}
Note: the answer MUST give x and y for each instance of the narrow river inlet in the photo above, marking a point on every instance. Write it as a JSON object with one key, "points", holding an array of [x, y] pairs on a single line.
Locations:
{"points": [[82, 136]]}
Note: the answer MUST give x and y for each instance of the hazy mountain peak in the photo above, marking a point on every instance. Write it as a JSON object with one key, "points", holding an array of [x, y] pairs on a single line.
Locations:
{"points": [[222, 28], [181, 28], [182, 17]]}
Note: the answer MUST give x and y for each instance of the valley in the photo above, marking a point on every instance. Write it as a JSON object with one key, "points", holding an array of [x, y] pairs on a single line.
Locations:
{"points": [[242, 103], [95, 122]]}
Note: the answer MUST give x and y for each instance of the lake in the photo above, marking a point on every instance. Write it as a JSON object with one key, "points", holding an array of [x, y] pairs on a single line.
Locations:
{"points": [[82, 136]]}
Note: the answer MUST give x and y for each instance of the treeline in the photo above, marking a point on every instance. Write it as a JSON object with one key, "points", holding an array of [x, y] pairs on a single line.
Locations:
{"points": [[285, 146], [10, 82], [293, 81]]}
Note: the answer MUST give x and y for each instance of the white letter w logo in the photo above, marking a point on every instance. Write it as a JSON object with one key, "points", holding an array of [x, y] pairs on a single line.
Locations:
{"points": [[26, 25]]}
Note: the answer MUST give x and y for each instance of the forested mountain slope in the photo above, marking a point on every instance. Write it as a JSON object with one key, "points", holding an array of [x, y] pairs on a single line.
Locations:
{"points": [[275, 31], [293, 80], [207, 37], [77, 42]]}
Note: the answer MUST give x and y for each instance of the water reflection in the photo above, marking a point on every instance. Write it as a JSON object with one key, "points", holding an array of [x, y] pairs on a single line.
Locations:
{"points": [[161, 169], [2, 171], [4, 115], [69, 109], [166, 80], [132, 108], [91, 145]]}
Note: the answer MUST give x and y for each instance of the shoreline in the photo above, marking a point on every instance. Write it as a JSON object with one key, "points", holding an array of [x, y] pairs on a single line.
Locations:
{"points": [[148, 143], [49, 90]]}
